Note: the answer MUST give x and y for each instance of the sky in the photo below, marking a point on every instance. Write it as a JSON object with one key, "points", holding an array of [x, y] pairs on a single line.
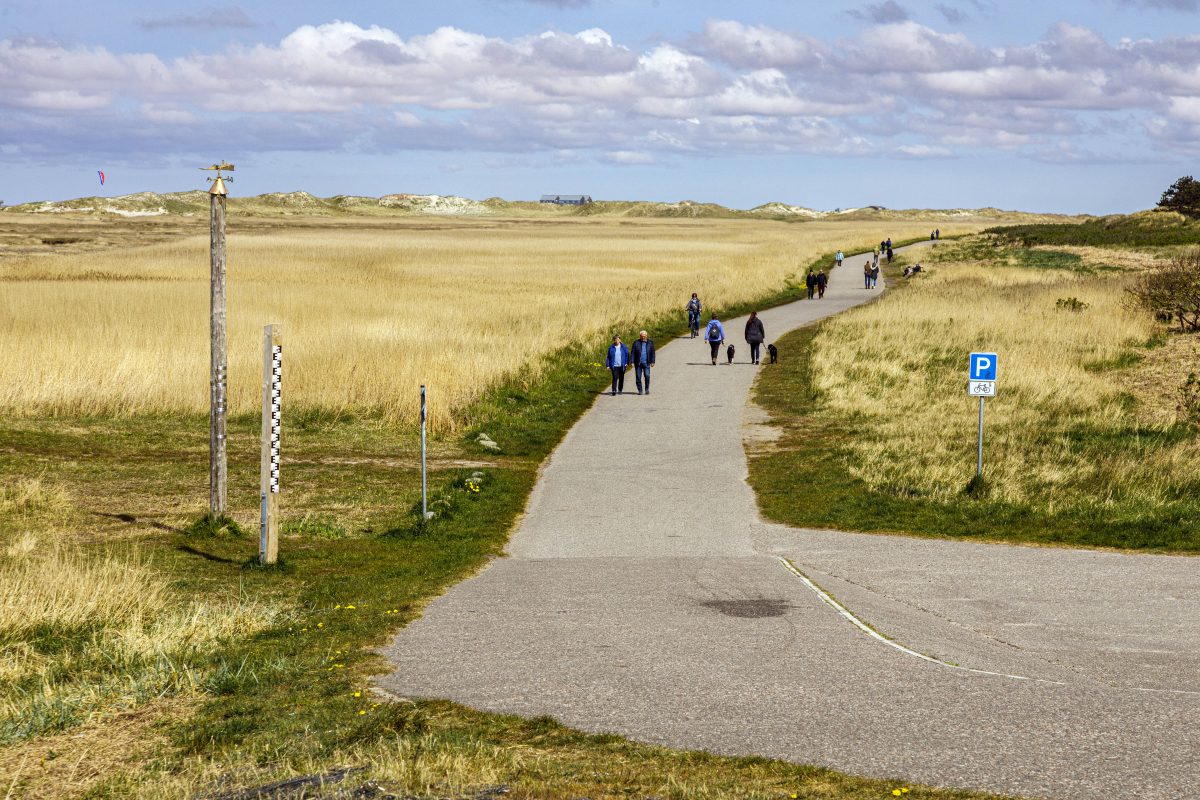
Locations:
{"points": [[1075, 106]]}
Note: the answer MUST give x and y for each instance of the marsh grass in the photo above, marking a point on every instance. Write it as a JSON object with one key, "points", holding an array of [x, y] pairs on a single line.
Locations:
{"points": [[1070, 456], [371, 310]]}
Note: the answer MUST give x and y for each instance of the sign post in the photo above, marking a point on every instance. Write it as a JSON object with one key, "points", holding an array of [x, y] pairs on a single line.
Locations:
{"points": [[981, 383], [424, 481], [268, 473], [218, 356]]}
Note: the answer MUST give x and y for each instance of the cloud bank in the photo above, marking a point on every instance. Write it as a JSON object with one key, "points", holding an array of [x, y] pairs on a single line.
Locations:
{"points": [[730, 88]]}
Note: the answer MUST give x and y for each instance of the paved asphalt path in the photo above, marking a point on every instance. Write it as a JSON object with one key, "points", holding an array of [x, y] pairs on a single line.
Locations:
{"points": [[644, 596]]}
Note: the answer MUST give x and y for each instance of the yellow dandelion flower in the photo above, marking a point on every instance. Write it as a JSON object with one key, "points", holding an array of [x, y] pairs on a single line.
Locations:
{"points": [[320, 624], [357, 694], [897, 792], [361, 712]]}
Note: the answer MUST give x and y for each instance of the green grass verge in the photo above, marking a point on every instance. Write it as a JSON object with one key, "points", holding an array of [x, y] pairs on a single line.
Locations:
{"points": [[805, 479], [356, 565]]}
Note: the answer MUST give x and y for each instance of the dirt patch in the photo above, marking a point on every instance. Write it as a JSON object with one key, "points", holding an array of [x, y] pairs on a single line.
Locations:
{"points": [[758, 433], [1156, 380]]}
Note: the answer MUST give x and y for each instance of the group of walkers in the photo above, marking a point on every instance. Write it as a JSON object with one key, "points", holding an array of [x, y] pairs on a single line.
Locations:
{"points": [[640, 356]]}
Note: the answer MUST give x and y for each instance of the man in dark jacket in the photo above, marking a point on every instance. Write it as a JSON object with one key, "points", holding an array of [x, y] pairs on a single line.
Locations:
{"points": [[810, 280], [617, 360], [755, 334], [642, 354]]}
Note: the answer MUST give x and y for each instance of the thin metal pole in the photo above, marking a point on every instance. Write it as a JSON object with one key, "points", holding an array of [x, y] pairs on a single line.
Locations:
{"points": [[424, 482], [218, 354], [979, 459]]}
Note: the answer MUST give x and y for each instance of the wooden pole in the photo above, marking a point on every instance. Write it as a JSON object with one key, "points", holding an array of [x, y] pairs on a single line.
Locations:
{"points": [[424, 480], [272, 384], [219, 358]]}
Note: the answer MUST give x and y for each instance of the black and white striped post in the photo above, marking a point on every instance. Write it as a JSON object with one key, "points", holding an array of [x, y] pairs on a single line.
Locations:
{"points": [[272, 385], [424, 479]]}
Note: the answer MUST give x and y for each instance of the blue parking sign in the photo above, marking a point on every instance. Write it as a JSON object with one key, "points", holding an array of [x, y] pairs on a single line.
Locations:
{"points": [[983, 366]]}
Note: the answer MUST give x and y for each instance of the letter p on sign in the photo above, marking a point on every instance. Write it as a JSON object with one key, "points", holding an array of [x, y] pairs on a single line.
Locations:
{"points": [[983, 366]]}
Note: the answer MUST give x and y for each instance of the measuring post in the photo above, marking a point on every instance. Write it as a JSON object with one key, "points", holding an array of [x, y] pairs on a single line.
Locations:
{"points": [[268, 473], [981, 383], [424, 481], [218, 350]]}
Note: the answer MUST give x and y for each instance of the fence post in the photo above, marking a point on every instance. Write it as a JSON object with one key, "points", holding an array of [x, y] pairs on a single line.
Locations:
{"points": [[424, 480], [268, 531]]}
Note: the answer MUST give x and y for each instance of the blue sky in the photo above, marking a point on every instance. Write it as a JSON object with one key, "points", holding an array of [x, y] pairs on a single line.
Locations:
{"points": [[1067, 106]]}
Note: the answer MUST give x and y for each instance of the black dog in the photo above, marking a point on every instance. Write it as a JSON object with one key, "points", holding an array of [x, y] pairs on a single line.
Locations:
{"points": [[774, 351], [729, 353]]}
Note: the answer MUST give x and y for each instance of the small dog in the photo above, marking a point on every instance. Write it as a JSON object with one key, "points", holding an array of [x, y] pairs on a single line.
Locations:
{"points": [[773, 351], [729, 353]]}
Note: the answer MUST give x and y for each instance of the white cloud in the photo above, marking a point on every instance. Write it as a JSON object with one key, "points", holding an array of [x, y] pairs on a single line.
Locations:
{"points": [[734, 87]]}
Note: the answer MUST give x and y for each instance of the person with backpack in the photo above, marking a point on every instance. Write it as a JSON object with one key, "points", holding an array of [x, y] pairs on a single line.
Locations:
{"points": [[694, 307], [810, 280], [755, 335], [874, 276], [617, 361], [642, 356], [867, 273], [821, 281], [714, 334]]}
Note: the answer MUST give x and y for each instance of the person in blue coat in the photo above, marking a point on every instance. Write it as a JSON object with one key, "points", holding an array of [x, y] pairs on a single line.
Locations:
{"points": [[714, 334], [617, 360], [642, 357]]}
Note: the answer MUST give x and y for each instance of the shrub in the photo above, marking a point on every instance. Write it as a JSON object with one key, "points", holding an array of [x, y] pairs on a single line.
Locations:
{"points": [[1183, 196], [1188, 406], [1171, 291], [1070, 304]]}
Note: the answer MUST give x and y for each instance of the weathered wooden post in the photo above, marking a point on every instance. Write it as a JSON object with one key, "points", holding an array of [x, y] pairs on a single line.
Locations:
{"points": [[218, 350], [272, 385], [424, 480]]}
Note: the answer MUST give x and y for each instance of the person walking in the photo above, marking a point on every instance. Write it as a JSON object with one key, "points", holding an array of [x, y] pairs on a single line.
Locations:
{"points": [[867, 272], [617, 361], [837, 259], [874, 276], [714, 334], [875, 256], [891, 253], [642, 355], [694, 307], [810, 280], [821, 281], [755, 335]]}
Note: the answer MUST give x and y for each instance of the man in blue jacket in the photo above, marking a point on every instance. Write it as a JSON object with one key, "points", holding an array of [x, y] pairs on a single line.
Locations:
{"points": [[642, 354], [617, 361]]}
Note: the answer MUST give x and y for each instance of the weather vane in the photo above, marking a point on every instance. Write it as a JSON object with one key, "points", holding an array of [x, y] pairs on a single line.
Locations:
{"points": [[218, 183]]}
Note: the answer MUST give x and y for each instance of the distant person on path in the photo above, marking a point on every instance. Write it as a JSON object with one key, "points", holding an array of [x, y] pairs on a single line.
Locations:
{"points": [[937, 233], [642, 354], [875, 256], [874, 276], [755, 335], [890, 254], [888, 243], [714, 334], [810, 280], [617, 361], [837, 259], [867, 271], [694, 307], [932, 235], [821, 281]]}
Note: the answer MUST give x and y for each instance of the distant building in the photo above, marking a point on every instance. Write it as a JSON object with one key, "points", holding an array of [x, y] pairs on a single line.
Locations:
{"points": [[567, 199]]}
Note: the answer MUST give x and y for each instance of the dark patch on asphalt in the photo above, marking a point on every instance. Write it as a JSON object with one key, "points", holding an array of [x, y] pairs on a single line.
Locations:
{"points": [[756, 608]]}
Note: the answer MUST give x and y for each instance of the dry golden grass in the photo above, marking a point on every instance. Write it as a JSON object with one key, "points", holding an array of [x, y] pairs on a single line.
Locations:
{"points": [[372, 310], [899, 367], [81, 635]]}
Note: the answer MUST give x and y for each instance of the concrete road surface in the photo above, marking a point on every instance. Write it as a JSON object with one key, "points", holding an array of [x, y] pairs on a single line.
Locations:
{"points": [[643, 596]]}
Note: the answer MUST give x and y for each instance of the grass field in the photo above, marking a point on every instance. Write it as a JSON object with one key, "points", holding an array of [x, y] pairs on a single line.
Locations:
{"points": [[371, 309], [1082, 445], [143, 656]]}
